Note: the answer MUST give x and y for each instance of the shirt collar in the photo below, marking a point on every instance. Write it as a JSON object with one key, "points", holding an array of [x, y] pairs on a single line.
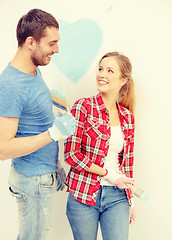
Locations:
{"points": [[100, 102], [123, 114]]}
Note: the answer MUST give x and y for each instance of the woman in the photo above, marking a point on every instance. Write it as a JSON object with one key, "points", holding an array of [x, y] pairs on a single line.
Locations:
{"points": [[100, 153]]}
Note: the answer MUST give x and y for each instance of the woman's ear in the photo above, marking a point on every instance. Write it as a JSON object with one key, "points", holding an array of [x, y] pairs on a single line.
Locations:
{"points": [[123, 81]]}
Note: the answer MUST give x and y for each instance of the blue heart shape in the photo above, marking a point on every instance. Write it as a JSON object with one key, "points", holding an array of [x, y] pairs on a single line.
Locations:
{"points": [[78, 45]]}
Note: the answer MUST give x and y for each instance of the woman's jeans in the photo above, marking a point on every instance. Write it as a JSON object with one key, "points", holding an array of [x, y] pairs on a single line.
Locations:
{"points": [[34, 197], [111, 210]]}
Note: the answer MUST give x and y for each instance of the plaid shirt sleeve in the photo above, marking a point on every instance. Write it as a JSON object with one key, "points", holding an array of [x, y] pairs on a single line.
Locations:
{"points": [[73, 155], [126, 157]]}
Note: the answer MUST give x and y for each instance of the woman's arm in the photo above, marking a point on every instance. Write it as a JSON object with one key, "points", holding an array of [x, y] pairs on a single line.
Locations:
{"points": [[94, 168], [73, 154]]}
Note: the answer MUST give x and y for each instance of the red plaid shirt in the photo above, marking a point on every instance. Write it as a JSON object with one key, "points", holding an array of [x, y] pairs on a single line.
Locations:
{"points": [[90, 143]]}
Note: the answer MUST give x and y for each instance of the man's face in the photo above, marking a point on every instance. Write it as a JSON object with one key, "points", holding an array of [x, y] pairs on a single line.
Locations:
{"points": [[46, 47]]}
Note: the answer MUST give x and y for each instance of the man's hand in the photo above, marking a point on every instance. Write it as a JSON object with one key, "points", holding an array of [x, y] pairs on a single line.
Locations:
{"points": [[63, 127]]}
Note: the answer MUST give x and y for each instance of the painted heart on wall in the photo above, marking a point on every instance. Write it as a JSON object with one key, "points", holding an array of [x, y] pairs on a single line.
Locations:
{"points": [[78, 45]]}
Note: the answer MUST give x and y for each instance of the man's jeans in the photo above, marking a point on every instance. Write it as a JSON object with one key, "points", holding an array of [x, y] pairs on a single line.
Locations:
{"points": [[111, 210], [34, 197]]}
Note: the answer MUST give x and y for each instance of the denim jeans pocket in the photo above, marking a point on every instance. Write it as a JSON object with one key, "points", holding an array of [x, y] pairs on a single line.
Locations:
{"points": [[20, 197], [121, 194], [74, 207], [16, 193], [47, 185], [119, 189], [47, 181]]}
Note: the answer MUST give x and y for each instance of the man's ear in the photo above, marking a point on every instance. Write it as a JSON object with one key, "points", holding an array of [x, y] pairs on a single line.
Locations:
{"points": [[30, 42]]}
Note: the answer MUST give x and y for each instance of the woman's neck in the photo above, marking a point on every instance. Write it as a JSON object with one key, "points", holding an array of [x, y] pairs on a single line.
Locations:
{"points": [[110, 104], [109, 101]]}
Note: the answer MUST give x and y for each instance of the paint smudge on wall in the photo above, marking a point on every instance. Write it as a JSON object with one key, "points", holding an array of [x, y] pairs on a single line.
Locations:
{"points": [[79, 44]]}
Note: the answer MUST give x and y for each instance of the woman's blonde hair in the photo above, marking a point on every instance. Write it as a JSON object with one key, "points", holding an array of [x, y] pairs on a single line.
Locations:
{"points": [[126, 95]]}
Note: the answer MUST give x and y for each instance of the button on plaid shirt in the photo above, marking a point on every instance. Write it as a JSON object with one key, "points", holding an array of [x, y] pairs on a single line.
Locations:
{"points": [[90, 143]]}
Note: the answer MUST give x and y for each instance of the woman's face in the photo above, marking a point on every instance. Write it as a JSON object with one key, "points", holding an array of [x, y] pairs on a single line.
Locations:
{"points": [[109, 76]]}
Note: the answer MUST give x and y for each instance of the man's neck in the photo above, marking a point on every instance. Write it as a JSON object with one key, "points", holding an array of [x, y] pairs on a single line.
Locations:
{"points": [[23, 63]]}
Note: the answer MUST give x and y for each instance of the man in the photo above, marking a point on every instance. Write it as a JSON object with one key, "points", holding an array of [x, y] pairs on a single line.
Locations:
{"points": [[27, 132]]}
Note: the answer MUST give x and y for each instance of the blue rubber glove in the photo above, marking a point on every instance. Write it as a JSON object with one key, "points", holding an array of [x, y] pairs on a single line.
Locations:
{"points": [[63, 127]]}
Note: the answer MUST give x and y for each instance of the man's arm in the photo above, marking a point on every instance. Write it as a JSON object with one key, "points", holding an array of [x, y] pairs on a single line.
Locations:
{"points": [[11, 147]]}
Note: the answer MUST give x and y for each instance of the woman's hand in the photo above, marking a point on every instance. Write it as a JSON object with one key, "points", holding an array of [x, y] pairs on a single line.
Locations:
{"points": [[117, 179], [122, 181], [132, 215]]}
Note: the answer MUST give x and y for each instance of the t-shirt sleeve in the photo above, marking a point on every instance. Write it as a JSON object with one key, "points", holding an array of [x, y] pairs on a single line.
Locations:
{"points": [[11, 101]]}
